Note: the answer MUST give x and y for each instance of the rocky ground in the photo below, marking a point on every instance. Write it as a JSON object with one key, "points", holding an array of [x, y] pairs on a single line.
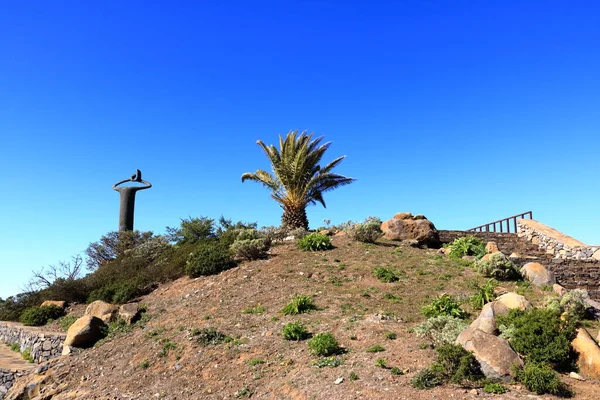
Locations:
{"points": [[160, 357]]}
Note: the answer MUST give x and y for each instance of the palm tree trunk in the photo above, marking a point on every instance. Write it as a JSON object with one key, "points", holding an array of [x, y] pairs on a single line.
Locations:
{"points": [[294, 218]]}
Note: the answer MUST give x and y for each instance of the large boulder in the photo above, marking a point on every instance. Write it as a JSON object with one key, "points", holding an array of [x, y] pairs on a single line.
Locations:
{"points": [[512, 300], [493, 353], [589, 354], [100, 309], [129, 312], [84, 332], [486, 321], [406, 227], [537, 274], [56, 303]]}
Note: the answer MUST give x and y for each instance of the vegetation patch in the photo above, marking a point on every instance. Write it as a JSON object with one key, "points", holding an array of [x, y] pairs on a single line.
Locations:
{"points": [[38, 316], [315, 242], [366, 232], [443, 305], [324, 345], [209, 337], [385, 275], [299, 305], [541, 378], [498, 266], [294, 331], [466, 246], [441, 330]]}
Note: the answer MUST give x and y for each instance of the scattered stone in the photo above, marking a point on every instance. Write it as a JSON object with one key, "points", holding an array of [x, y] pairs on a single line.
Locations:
{"points": [[406, 227], [129, 312], [537, 274], [338, 381], [491, 248], [105, 311], [57, 303], [515, 255], [589, 354], [575, 375], [86, 331], [493, 353]]}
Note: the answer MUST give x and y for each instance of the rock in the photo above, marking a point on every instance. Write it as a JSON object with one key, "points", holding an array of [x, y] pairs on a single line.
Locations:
{"points": [[100, 309], [493, 353], [593, 308], [589, 354], [57, 303], [512, 300], [486, 321], [558, 289], [86, 331], [575, 375], [405, 227], [326, 232], [596, 255], [129, 312], [491, 247], [338, 381], [515, 255], [537, 274], [340, 233]]}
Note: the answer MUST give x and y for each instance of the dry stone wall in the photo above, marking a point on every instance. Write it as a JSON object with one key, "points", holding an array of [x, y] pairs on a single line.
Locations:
{"points": [[7, 379], [554, 246], [42, 346]]}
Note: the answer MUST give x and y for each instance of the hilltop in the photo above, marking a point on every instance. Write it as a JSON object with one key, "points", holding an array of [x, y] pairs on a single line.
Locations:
{"points": [[161, 358]]}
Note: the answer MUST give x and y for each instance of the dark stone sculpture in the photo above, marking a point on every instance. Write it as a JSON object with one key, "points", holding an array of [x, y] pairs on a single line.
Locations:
{"points": [[128, 199]]}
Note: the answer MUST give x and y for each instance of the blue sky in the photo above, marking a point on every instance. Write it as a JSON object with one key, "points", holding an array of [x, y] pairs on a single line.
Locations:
{"points": [[465, 111]]}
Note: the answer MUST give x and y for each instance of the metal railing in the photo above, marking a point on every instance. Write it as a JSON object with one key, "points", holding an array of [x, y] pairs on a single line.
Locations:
{"points": [[491, 227]]}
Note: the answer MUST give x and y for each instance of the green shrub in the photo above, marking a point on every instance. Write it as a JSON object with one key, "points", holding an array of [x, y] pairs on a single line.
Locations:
{"points": [[249, 245], [38, 316], [299, 305], [273, 234], [209, 336], [209, 258], [66, 322], [494, 388], [572, 303], [12, 308], [324, 345], [116, 293], [540, 378], [484, 294], [443, 305], [466, 246], [315, 242], [458, 364], [541, 336], [441, 330], [385, 275], [428, 378], [367, 232], [294, 331], [498, 266]]}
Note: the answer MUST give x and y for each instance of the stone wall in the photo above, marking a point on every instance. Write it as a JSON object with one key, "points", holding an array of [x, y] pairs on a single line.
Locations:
{"points": [[555, 243], [7, 379], [42, 346]]}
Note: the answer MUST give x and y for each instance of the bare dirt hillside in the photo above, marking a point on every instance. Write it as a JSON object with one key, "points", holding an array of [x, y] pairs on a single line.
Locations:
{"points": [[161, 358]]}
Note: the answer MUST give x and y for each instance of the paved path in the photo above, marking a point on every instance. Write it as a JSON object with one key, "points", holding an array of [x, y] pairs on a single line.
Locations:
{"points": [[12, 360]]}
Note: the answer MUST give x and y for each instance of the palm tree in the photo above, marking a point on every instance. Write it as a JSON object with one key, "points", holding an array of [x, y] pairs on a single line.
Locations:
{"points": [[297, 179]]}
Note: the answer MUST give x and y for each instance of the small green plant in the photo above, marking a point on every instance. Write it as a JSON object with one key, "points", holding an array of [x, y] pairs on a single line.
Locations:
{"points": [[258, 309], [498, 266], [385, 275], [396, 371], [255, 361], [390, 335], [375, 349], [324, 345], [466, 246], [441, 330], [366, 232], [443, 305], [483, 294], [299, 305], [540, 378], [167, 346], [15, 347], [294, 331], [330, 362], [209, 336], [381, 363], [244, 393], [66, 322], [315, 242], [353, 376], [38, 316], [494, 388], [145, 364], [26, 354]]}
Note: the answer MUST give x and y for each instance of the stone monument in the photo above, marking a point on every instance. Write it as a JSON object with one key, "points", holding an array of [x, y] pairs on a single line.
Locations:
{"points": [[128, 199]]}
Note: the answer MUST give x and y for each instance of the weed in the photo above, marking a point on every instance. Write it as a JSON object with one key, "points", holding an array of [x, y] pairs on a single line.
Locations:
{"points": [[145, 364], [396, 371], [381, 363], [209, 336], [466, 246], [26, 354], [331, 362], [540, 378], [494, 388], [353, 376], [258, 309], [299, 305], [428, 378], [315, 242], [385, 275], [294, 331], [483, 294], [167, 346], [443, 305], [390, 335], [255, 362], [324, 344], [66, 322], [244, 393]]}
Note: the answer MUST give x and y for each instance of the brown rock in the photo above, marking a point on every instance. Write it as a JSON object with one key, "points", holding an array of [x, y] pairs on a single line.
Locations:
{"points": [[493, 353], [327, 232], [105, 311], [129, 312], [401, 227], [515, 255], [86, 331], [512, 300], [589, 354], [558, 289], [340, 233], [596, 255], [486, 321], [537, 274], [57, 303], [491, 247]]}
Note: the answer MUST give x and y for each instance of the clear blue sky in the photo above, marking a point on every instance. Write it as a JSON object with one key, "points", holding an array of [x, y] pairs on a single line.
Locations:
{"points": [[465, 111]]}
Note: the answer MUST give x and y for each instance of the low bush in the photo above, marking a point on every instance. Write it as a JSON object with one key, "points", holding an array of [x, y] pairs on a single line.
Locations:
{"points": [[209, 337], [572, 303], [385, 275], [315, 242], [540, 378], [494, 388], [541, 336], [483, 294], [208, 259], [458, 364], [366, 232], [443, 305], [441, 330], [249, 245], [466, 246], [498, 266], [324, 345], [38, 316], [294, 331], [116, 293], [428, 378], [299, 305]]}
